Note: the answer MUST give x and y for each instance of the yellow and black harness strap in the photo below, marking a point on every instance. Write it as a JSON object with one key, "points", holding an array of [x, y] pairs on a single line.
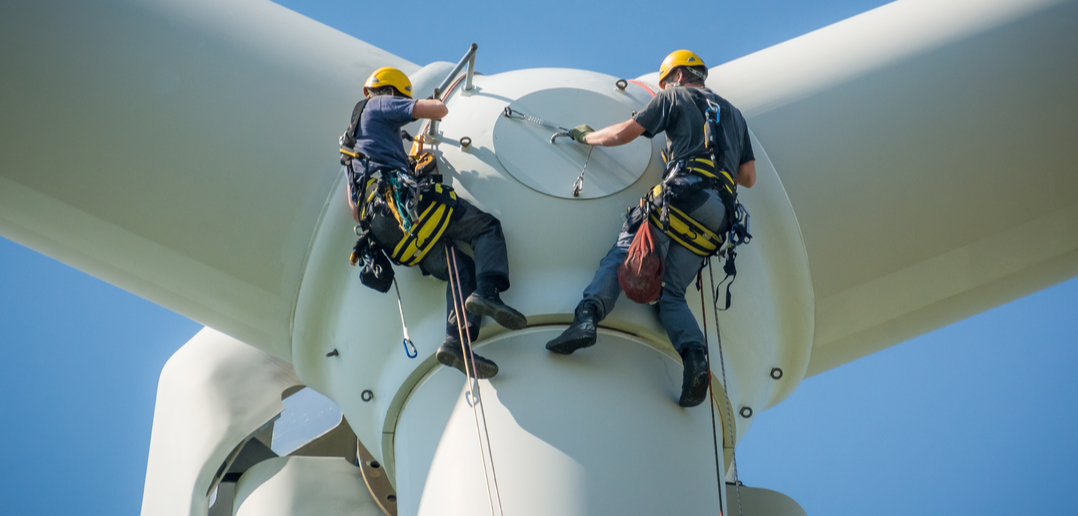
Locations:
{"points": [[371, 194], [685, 230], [706, 168], [425, 233]]}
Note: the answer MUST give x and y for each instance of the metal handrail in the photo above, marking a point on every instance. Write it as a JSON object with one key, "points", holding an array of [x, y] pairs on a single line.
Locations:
{"points": [[469, 59]]}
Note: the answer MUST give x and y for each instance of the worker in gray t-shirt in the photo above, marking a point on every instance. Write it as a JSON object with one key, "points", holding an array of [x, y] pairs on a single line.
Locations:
{"points": [[678, 110]]}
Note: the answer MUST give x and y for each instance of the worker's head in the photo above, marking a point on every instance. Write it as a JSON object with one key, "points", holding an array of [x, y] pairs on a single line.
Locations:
{"points": [[680, 68], [387, 81]]}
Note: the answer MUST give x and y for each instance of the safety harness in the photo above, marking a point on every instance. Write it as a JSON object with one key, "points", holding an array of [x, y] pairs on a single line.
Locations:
{"points": [[687, 176], [422, 209], [391, 198], [677, 224]]}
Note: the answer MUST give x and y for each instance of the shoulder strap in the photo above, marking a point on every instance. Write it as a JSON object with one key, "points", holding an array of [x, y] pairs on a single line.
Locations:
{"points": [[349, 137], [714, 134]]}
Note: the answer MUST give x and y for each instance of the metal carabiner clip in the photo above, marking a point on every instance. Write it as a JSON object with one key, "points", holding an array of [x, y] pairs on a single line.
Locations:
{"points": [[409, 348]]}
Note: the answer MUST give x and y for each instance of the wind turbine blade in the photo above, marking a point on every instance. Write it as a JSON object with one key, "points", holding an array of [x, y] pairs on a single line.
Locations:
{"points": [[181, 150], [928, 149]]}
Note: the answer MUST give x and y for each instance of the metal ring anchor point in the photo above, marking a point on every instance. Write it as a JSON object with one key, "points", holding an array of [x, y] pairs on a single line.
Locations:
{"points": [[776, 373], [622, 84], [366, 395], [466, 142], [745, 412]]}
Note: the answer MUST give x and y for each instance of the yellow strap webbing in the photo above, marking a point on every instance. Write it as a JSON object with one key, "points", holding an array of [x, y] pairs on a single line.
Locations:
{"points": [[709, 171], [686, 231], [425, 233]]}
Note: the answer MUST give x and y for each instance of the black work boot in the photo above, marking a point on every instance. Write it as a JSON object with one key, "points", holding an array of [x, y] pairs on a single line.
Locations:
{"points": [[453, 354], [580, 334], [485, 301], [694, 382]]}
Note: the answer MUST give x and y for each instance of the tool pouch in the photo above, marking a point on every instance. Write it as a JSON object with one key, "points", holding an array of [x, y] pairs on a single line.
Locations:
{"points": [[375, 271], [641, 274]]}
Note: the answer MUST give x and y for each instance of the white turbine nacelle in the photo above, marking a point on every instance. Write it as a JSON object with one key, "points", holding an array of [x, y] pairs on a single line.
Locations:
{"points": [[555, 242], [545, 412]]}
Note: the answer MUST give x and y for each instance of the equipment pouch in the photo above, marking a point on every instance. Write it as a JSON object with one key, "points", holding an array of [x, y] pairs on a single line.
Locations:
{"points": [[377, 273], [641, 274], [375, 270]]}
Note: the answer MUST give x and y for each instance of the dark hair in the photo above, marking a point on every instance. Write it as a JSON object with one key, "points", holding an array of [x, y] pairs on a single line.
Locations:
{"points": [[689, 77], [384, 90]]}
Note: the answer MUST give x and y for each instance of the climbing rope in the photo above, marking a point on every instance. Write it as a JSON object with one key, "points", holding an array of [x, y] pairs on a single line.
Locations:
{"points": [[722, 365], [469, 366], [409, 348], [710, 389]]}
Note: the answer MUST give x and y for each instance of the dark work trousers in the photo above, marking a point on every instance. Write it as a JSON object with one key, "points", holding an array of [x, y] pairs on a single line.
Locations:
{"points": [[483, 232], [680, 268]]}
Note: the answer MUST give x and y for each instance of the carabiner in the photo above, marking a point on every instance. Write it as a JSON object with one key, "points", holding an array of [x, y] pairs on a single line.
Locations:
{"points": [[409, 348]]}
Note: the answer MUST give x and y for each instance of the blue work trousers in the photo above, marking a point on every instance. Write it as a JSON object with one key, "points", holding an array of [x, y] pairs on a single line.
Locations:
{"points": [[680, 268]]}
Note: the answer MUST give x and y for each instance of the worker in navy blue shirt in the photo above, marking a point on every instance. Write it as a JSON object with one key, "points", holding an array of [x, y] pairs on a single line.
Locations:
{"points": [[376, 128], [676, 110]]}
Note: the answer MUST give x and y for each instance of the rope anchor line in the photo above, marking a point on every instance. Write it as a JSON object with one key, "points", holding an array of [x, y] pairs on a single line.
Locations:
{"points": [[561, 132], [728, 424], [509, 112], [476, 395], [578, 186]]}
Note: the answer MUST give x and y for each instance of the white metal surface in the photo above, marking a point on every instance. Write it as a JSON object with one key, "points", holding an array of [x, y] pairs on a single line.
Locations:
{"points": [[600, 428], [755, 501], [304, 486], [769, 326], [525, 151], [214, 393]]}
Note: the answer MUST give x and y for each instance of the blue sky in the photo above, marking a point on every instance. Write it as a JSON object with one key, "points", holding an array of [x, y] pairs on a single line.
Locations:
{"points": [[977, 417]]}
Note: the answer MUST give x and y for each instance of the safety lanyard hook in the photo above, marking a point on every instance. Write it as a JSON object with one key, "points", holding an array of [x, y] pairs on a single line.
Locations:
{"points": [[409, 348], [578, 185]]}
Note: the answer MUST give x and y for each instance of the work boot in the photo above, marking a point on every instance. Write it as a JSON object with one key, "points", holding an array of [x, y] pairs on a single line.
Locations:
{"points": [[580, 334], [694, 382], [485, 301], [453, 354]]}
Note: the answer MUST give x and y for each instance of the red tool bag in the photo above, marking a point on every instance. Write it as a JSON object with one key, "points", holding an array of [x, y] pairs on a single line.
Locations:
{"points": [[641, 274]]}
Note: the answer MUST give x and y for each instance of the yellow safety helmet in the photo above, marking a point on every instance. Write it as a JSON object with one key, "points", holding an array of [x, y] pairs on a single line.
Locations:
{"points": [[388, 76], [679, 58]]}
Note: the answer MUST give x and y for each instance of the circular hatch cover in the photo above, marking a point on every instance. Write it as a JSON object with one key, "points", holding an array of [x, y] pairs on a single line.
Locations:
{"points": [[524, 148]]}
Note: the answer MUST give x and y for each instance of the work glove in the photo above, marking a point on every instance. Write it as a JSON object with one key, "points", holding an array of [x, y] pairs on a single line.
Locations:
{"points": [[579, 132]]}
